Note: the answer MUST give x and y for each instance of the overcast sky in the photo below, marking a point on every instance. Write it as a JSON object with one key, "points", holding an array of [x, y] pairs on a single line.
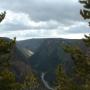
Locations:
{"points": [[42, 18]]}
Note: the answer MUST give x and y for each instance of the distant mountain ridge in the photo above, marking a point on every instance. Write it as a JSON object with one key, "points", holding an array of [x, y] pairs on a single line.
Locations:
{"points": [[31, 44]]}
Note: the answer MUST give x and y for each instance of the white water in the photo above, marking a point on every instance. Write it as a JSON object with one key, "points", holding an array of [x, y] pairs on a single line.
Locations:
{"points": [[45, 82]]}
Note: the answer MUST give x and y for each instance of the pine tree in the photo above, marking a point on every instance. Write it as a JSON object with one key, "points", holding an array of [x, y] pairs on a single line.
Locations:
{"points": [[8, 79], [63, 81], [81, 59]]}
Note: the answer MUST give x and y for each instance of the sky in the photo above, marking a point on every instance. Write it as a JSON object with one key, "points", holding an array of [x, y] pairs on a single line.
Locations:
{"points": [[26, 19]]}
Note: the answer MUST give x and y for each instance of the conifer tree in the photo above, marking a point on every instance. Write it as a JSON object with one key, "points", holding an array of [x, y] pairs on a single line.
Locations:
{"points": [[81, 59], [8, 80]]}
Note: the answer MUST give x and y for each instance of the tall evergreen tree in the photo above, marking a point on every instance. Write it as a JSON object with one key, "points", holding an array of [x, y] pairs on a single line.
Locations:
{"points": [[81, 59], [8, 79]]}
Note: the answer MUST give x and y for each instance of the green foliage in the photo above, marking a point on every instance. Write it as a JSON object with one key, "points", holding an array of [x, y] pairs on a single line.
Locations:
{"points": [[5, 51], [87, 40], [31, 82], [7, 77], [8, 80], [81, 75], [81, 59], [85, 12], [2, 16], [63, 82]]}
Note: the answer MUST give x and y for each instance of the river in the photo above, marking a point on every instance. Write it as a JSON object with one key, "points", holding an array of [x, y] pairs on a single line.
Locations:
{"points": [[45, 82]]}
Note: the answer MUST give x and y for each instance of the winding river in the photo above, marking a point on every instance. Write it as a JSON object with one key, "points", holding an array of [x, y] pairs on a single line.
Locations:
{"points": [[45, 82]]}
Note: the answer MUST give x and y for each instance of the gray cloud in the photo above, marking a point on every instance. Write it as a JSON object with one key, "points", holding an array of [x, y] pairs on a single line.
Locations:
{"points": [[80, 28], [11, 27], [22, 21], [43, 10], [58, 16]]}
